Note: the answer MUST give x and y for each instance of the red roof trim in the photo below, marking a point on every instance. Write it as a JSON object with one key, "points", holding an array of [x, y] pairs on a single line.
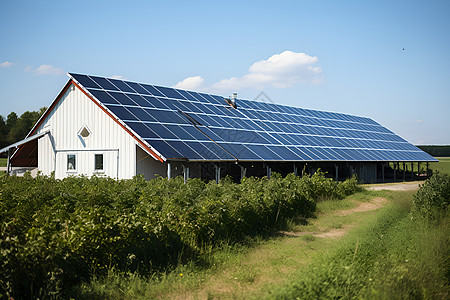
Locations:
{"points": [[52, 106]]}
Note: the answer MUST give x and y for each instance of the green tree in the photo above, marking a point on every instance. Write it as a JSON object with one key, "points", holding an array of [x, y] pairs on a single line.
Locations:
{"points": [[16, 128], [3, 133], [11, 120], [23, 126]]}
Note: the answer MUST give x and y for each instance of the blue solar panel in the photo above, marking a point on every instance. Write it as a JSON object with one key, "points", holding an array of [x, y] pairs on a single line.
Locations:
{"points": [[87, 82], [122, 98], [104, 83], [122, 86], [152, 90], [199, 126], [138, 88]]}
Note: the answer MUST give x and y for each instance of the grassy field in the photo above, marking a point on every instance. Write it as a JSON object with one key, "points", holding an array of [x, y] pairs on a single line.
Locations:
{"points": [[2, 162], [364, 246], [442, 166]]}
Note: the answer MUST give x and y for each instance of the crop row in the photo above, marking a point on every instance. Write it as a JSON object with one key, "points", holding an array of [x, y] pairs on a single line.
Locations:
{"points": [[56, 233]]}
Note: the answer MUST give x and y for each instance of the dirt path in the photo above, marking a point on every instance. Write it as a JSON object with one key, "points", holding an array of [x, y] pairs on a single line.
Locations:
{"points": [[374, 204], [402, 186]]}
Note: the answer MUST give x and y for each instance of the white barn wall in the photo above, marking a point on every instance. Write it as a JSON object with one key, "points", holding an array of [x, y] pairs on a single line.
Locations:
{"points": [[46, 154], [73, 111]]}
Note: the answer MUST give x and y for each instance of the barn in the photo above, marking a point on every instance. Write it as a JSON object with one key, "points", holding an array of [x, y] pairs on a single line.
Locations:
{"points": [[109, 127]]}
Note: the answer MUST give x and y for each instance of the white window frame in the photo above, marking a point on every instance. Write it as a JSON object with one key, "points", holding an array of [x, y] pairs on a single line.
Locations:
{"points": [[74, 170], [99, 171]]}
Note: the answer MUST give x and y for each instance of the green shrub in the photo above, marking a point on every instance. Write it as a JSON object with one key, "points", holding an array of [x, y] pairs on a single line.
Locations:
{"points": [[432, 200], [57, 233]]}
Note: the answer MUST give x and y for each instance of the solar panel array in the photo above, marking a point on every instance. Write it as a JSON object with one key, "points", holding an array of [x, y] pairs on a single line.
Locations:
{"points": [[189, 125]]}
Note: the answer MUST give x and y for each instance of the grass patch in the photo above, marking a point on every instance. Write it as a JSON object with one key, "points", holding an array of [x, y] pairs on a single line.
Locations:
{"points": [[308, 237], [442, 166], [3, 162]]}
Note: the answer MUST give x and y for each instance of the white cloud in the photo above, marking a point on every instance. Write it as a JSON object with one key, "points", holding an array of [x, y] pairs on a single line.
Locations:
{"points": [[191, 83], [280, 70], [6, 64], [45, 70], [287, 62], [418, 121], [118, 77]]}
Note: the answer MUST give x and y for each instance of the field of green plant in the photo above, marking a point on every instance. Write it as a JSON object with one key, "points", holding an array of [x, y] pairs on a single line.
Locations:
{"points": [[399, 251], [102, 238], [57, 233], [3, 162]]}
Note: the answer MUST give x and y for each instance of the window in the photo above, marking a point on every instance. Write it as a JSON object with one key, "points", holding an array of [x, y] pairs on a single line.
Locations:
{"points": [[71, 162], [98, 162], [84, 132]]}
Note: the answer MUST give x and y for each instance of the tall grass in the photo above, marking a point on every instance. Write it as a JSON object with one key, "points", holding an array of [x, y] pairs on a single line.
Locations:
{"points": [[395, 255]]}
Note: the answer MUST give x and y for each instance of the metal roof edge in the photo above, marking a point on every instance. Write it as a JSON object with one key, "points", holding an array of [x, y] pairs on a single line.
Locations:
{"points": [[24, 141]]}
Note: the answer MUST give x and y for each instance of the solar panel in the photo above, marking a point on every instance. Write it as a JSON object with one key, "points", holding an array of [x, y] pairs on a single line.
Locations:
{"points": [[196, 126]]}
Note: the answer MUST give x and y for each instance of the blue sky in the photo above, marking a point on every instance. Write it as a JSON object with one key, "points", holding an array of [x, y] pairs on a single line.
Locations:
{"points": [[343, 56]]}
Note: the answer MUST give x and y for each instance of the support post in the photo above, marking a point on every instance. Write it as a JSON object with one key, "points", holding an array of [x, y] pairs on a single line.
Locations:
{"points": [[337, 172], [376, 173], [8, 162], [418, 168], [382, 172], [395, 172], [243, 172], [169, 170], [404, 171], [217, 168], [295, 170], [269, 171], [427, 168], [363, 173], [412, 171], [185, 173]]}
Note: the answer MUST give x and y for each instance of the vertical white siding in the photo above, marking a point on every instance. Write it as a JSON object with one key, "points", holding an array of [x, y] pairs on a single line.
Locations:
{"points": [[73, 111]]}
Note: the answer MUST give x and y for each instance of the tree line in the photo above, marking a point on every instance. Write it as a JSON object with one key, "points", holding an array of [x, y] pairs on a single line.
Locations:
{"points": [[436, 150], [14, 128]]}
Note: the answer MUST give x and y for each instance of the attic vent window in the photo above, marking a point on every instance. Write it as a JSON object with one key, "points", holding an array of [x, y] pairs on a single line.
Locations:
{"points": [[84, 132]]}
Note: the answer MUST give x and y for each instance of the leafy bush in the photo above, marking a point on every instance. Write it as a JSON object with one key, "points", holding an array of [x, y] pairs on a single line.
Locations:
{"points": [[56, 233], [432, 199]]}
